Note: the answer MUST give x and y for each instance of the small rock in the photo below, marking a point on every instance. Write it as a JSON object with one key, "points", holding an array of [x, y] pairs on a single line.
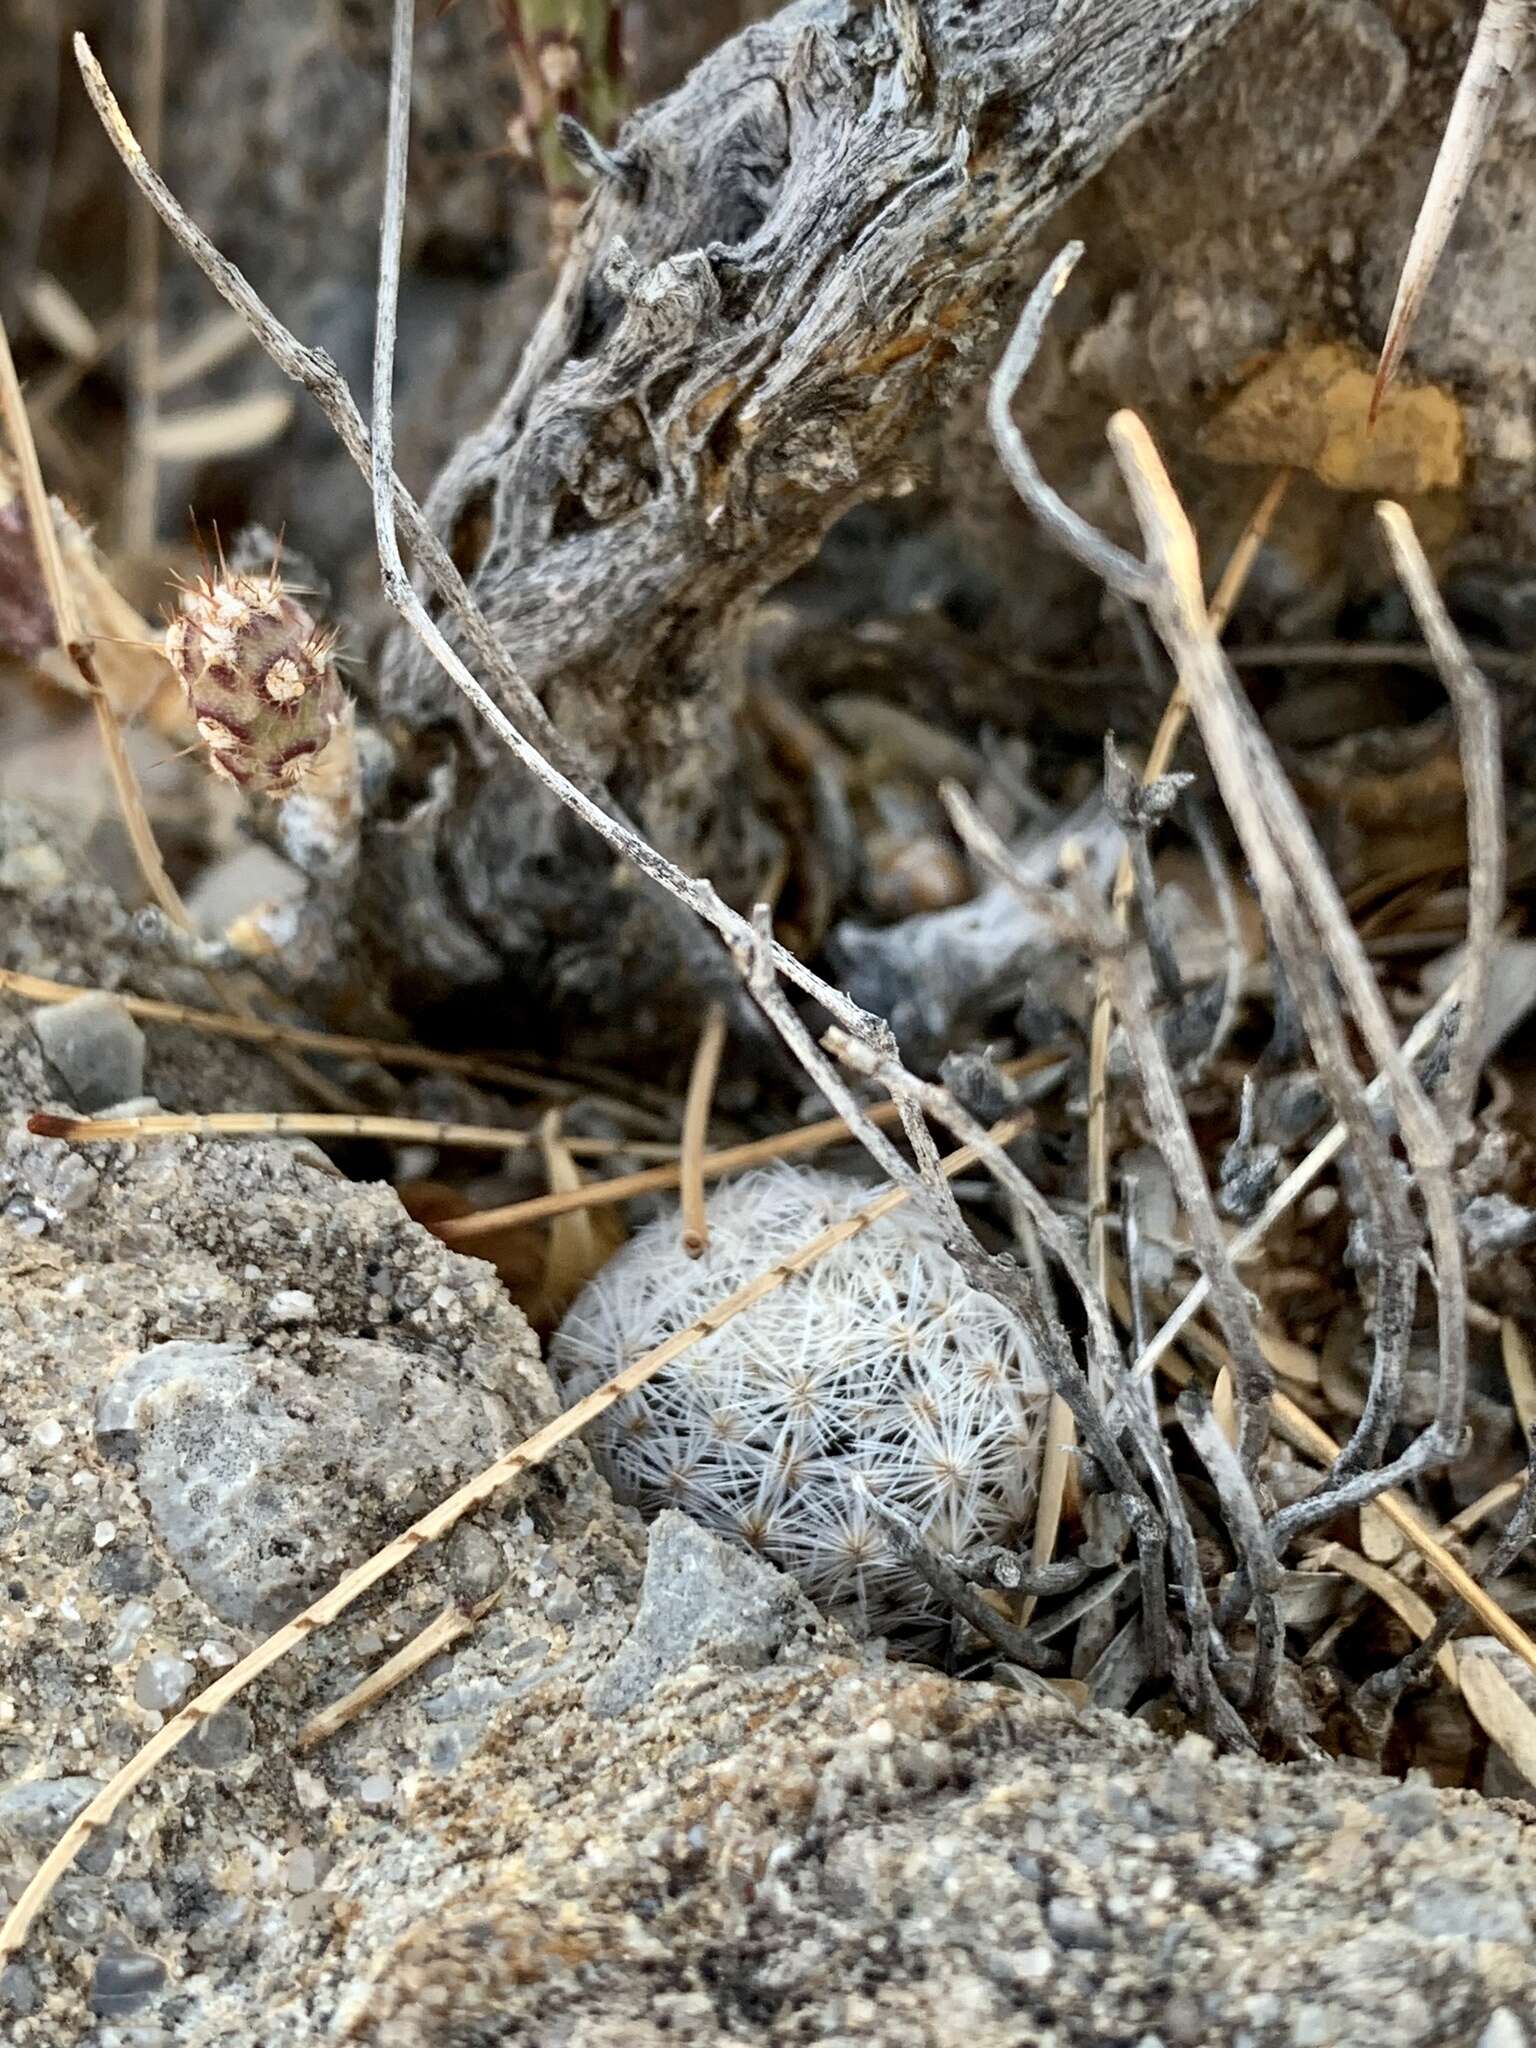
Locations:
{"points": [[33, 1815], [162, 1682], [217, 1743], [700, 1598], [1075, 1923], [1503, 2031], [18, 1989], [125, 1984], [1448, 1912], [292, 1305], [95, 1048], [476, 1566], [266, 1479]]}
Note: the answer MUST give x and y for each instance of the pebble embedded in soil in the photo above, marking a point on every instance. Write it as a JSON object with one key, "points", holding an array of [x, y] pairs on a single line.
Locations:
{"points": [[96, 1049]]}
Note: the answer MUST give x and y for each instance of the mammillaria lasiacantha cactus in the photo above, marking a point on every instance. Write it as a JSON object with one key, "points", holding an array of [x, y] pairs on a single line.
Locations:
{"points": [[259, 676], [879, 1364]]}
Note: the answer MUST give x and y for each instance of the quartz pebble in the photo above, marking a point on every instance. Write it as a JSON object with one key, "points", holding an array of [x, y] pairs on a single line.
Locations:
{"points": [[162, 1682]]}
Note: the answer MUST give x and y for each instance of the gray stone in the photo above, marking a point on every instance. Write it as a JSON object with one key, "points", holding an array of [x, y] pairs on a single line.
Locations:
{"points": [[1076, 1923], [162, 1682], [1458, 1912], [701, 1600], [18, 1989], [125, 1984], [34, 1814], [266, 1479], [96, 1049], [216, 1744]]}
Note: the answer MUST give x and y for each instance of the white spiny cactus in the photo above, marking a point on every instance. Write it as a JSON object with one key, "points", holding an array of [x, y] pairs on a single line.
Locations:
{"points": [[879, 1364]]}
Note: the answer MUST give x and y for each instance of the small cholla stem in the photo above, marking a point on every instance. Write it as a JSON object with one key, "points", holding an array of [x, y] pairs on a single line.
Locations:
{"points": [[260, 678]]}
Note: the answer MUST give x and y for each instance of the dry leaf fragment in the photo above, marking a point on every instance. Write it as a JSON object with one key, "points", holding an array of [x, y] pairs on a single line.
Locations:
{"points": [[1309, 408], [1495, 1703], [1520, 1371], [205, 431], [1409, 1607]]}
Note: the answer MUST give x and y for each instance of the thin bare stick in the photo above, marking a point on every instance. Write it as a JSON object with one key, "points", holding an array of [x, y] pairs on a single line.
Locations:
{"points": [[141, 481], [75, 642], [952, 1587], [431, 1528], [1292, 1188], [397, 1130], [1192, 1674], [1137, 806], [1264, 806], [385, 1052], [1477, 721], [696, 1109], [1496, 51], [1055, 1479], [1088, 923], [1220, 880], [1117, 570], [1245, 1526], [451, 1626]]}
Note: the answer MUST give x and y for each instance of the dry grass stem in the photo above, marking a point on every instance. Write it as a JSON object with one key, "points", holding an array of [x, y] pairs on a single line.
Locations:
{"points": [[801, 1143], [696, 1111], [451, 1626], [396, 1130], [385, 1052]]}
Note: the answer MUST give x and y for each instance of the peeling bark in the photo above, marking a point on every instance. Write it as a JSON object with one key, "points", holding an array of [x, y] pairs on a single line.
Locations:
{"points": [[787, 266]]}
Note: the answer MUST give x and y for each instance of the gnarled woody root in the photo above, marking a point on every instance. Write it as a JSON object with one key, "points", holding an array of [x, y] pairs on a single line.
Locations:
{"points": [[785, 267]]}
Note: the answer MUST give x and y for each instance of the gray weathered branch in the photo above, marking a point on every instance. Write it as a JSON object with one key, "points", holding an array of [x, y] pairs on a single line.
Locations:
{"points": [[810, 241]]}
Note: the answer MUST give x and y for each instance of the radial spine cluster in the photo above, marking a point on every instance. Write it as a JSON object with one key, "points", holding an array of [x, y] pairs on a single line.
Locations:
{"points": [[259, 676], [879, 1370]]}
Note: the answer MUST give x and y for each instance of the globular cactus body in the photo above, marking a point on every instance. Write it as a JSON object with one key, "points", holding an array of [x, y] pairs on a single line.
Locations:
{"points": [[880, 1371], [259, 677]]}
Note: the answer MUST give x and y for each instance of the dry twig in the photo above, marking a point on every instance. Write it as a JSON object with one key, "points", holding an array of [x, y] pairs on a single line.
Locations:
{"points": [[384, 1052], [141, 481], [1477, 724], [1496, 50]]}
